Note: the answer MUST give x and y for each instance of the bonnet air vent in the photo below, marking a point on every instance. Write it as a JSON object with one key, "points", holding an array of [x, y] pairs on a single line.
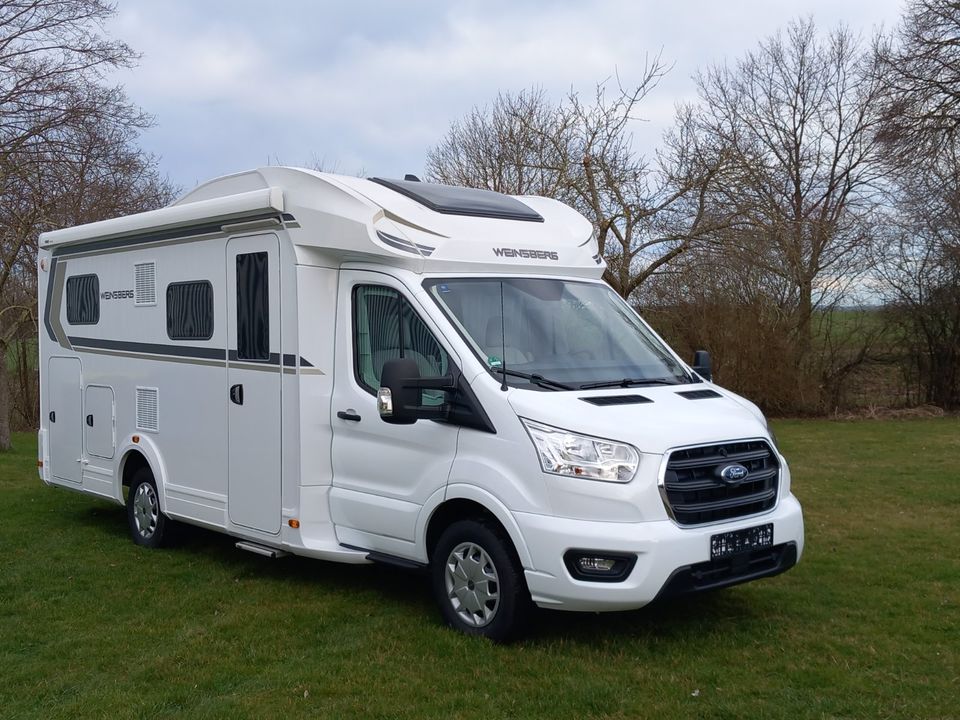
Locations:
{"points": [[699, 394], [617, 400], [452, 200], [145, 283], [148, 415]]}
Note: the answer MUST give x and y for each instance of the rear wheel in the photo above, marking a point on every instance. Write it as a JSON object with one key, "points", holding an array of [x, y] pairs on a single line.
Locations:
{"points": [[148, 526], [478, 581]]}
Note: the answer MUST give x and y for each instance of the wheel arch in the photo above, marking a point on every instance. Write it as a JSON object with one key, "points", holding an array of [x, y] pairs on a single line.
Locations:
{"points": [[135, 455], [467, 501]]}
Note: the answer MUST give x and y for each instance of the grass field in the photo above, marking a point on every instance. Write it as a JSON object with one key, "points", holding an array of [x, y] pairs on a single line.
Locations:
{"points": [[866, 626]]}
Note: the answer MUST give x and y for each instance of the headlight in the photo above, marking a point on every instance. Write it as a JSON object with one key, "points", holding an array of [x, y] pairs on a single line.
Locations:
{"points": [[565, 453]]}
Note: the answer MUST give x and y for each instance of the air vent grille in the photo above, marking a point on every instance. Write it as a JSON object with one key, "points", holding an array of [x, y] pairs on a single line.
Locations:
{"points": [[145, 283], [699, 394], [148, 411], [616, 400]]}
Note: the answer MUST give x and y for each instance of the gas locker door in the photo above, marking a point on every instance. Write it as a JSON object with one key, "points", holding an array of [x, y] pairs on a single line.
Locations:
{"points": [[64, 403], [254, 372]]}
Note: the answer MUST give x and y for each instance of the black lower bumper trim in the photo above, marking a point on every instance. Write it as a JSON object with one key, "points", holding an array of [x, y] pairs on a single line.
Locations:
{"points": [[733, 570]]}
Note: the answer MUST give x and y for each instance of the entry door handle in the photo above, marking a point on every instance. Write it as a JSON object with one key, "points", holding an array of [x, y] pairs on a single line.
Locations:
{"points": [[53, 416], [348, 415], [236, 394], [90, 420]]}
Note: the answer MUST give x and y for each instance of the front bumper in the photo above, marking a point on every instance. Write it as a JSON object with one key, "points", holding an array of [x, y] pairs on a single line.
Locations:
{"points": [[670, 559]]}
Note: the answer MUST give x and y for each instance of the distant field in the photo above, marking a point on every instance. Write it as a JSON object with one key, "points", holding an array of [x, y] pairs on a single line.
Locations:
{"points": [[867, 626]]}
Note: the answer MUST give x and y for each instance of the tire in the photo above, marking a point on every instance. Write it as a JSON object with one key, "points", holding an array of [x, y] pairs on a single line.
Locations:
{"points": [[478, 581], [148, 526]]}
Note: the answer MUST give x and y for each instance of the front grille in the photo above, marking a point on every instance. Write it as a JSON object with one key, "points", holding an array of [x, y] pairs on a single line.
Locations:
{"points": [[695, 493]]}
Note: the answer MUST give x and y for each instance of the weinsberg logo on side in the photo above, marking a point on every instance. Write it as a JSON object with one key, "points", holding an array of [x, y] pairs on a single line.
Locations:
{"points": [[116, 294], [526, 253]]}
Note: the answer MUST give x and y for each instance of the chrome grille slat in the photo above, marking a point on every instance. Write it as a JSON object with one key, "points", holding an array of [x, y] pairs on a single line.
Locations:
{"points": [[695, 494], [726, 504]]}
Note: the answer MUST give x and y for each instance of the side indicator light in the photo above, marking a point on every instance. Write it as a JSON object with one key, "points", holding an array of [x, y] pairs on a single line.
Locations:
{"points": [[136, 438], [293, 522], [39, 463]]}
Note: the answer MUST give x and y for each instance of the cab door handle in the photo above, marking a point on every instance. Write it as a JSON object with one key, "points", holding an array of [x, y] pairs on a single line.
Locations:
{"points": [[348, 415]]}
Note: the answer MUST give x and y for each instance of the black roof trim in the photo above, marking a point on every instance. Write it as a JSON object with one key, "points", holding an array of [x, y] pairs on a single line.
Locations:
{"points": [[454, 200], [145, 237]]}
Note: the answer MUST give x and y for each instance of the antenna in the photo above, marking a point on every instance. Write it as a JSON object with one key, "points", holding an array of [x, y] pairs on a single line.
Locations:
{"points": [[503, 343]]}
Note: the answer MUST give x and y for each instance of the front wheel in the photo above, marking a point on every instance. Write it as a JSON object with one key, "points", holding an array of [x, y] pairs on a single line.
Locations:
{"points": [[478, 581], [148, 526]]}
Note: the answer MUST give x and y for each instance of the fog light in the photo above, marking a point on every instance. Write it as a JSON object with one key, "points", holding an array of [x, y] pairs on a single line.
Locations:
{"points": [[598, 566]]}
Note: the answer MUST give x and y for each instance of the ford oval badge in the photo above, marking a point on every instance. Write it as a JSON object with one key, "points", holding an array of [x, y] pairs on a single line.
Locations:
{"points": [[734, 474]]}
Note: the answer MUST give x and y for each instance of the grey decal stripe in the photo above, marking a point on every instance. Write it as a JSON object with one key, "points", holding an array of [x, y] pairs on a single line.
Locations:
{"points": [[46, 306], [406, 245], [214, 357], [184, 351], [203, 353]]}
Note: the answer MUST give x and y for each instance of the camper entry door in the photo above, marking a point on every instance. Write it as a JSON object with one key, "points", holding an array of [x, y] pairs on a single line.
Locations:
{"points": [[254, 371]]}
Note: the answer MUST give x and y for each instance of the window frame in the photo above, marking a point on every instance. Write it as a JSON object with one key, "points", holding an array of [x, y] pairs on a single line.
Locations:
{"points": [[181, 283], [452, 364], [96, 298]]}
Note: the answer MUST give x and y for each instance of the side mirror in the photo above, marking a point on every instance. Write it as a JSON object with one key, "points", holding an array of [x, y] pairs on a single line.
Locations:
{"points": [[400, 397], [702, 364], [396, 397]]}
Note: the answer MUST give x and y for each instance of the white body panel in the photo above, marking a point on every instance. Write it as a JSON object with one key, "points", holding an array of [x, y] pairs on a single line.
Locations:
{"points": [[290, 467]]}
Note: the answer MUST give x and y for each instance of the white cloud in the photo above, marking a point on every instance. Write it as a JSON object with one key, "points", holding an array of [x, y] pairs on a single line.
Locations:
{"points": [[372, 85]]}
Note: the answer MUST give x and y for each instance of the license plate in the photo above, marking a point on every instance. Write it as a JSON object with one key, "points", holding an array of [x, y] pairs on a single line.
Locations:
{"points": [[738, 541]]}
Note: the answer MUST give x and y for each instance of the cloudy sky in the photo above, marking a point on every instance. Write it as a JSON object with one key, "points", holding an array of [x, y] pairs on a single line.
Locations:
{"points": [[369, 85]]}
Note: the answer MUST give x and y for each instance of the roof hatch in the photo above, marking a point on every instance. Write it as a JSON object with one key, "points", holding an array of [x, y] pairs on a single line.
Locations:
{"points": [[452, 200]]}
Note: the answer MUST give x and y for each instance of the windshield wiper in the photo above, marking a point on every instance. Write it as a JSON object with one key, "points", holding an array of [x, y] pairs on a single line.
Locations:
{"points": [[534, 378], [628, 382]]}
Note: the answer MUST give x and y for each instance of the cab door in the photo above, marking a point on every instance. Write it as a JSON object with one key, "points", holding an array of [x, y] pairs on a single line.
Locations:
{"points": [[383, 473]]}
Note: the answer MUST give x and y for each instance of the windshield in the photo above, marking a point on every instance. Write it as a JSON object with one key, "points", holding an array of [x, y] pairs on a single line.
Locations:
{"points": [[555, 334]]}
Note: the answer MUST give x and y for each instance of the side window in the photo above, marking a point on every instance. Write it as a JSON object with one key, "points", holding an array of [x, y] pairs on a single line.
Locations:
{"points": [[190, 310], [386, 327], [83, 300], [253, 307]]}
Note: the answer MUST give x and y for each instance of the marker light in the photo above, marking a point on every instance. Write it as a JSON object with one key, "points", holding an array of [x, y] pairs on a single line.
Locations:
{"points": [[293, 522], [562, 452]]}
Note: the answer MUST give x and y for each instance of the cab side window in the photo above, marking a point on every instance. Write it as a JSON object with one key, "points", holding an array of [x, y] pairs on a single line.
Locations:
{"points": [[385, 327]]}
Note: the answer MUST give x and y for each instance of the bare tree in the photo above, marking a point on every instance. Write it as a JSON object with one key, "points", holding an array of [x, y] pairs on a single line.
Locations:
{"points": [[920, 270], [645, 213], [67, 146], [795, 117], [920, 68]]}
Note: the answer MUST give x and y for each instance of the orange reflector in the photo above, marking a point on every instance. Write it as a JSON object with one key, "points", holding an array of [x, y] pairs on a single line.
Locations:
{"points": [[136, 438], [293, 522], [39, 463]]}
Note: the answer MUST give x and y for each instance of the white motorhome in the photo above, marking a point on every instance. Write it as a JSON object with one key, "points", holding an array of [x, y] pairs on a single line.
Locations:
{"points": [[386, 370]]}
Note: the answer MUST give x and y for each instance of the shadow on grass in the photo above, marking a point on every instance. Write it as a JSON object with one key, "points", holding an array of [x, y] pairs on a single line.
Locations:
{"points": [[692, 617]]}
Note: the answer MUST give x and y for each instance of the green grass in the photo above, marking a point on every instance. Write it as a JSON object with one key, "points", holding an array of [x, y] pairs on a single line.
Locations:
{"points": [[867, 626]]}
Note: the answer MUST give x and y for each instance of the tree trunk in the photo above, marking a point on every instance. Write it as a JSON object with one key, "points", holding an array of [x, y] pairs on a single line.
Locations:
{"points": [[4, 403]]}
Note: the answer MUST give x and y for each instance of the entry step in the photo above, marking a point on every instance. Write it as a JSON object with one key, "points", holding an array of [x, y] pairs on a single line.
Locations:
{"points": [[259, 549]]}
